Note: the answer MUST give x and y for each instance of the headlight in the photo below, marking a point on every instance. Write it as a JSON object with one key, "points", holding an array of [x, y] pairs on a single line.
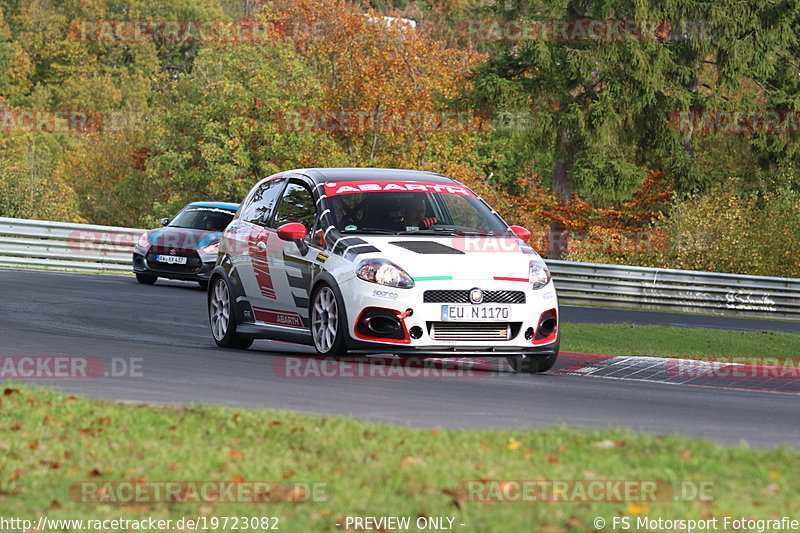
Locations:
{"points": [[538, 274], [384, 272], [144, 240], [210, 249]]}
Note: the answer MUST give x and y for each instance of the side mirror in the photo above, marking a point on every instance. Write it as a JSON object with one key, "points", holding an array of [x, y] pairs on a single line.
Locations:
{"points": [[165, 221], [521, 232], [293, 231]]}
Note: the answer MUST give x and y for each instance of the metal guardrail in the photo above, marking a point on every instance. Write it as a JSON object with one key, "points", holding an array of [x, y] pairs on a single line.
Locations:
{"points": [[89, 248], [688, 291], [64, 246]]}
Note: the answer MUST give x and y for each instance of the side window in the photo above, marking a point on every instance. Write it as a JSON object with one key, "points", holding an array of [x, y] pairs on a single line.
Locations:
{"points": [[297, 205], [260, 205]]}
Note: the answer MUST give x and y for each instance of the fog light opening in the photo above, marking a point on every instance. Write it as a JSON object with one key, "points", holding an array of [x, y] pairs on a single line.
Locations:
{"points": [[382, 325], [528, 334], [415, 332], [548, 326]]}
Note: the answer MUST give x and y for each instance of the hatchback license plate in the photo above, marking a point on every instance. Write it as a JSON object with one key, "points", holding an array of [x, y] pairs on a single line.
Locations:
{"points": [[475, 312], [172, 259]]}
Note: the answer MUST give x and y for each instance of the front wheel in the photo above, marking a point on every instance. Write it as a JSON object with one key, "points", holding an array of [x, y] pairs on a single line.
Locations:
{"points": [[222, 318], [534, 364], [327, 322]]}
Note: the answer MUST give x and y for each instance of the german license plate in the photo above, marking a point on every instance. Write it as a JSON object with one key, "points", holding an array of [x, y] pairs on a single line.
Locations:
{"points": [[475, 312], [171, 259]]}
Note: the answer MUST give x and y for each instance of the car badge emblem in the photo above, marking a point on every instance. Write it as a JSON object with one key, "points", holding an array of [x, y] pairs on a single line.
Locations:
{"points": [[173, 251], [476, 296]]}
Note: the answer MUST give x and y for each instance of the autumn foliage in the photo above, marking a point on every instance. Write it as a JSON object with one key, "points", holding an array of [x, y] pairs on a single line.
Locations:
{"points": [[338, 83]]}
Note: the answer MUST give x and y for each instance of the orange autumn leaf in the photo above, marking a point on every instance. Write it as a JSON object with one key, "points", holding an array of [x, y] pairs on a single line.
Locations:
{"points": [[635, 508]]}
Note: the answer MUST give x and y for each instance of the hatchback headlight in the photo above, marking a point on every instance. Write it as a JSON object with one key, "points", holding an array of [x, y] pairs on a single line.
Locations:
{"points": [[210, 249], [144, 240], [384, 272], [538, 274]]}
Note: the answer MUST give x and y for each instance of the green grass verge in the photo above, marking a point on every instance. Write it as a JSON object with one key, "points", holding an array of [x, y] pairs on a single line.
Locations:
{"points": [[49, 441], [762, 347]]}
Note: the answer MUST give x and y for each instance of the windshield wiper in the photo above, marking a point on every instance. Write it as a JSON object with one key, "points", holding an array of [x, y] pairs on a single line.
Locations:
{"points": [[376, 231], [448, 231]]}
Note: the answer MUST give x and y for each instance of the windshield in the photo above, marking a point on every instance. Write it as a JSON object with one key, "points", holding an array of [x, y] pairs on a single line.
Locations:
{"points": [[413, 212], [206, 218]]}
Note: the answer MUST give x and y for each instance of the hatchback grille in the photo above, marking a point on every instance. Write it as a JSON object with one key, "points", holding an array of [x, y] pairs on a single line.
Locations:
{"points": [[471, 331], [462, 297], [193, 263]]}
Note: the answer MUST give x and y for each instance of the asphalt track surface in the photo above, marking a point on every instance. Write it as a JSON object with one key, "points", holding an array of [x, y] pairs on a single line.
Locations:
{"points": [[164, 329]]}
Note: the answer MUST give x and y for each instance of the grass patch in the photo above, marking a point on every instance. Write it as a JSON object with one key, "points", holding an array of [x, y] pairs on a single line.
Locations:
{"points": [[762, 347], [49, 441]]}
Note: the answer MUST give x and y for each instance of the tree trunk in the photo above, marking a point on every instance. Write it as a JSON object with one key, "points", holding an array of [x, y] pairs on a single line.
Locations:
{"points": [[562, 187]]}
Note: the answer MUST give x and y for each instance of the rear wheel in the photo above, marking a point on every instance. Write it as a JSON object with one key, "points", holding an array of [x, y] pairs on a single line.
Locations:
{"points": [[327, 322], [146, 279], [534, 364], [223, 319]]}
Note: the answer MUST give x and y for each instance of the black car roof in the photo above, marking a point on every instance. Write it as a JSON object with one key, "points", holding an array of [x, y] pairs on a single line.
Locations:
{"points": [[322, 175]]}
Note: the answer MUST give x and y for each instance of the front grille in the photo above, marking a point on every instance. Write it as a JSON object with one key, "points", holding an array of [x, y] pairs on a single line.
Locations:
{"points": [[462, 297], [193, 263], [471, 331]]}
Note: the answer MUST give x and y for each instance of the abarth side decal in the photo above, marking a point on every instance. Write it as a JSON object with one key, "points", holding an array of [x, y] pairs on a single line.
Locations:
{"points": [[280, 318], [301, 281]]}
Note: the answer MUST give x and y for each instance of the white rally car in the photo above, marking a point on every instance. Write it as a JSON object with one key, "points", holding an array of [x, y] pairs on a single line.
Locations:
{"points": [[364, 261]]}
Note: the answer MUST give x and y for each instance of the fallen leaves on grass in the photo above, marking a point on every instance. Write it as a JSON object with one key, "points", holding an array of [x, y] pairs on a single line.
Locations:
{"points": [[607, 444], [408, 460]]}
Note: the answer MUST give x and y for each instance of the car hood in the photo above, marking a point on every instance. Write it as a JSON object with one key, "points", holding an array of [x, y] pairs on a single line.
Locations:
{"points": [[162, 240], [448, 257]]}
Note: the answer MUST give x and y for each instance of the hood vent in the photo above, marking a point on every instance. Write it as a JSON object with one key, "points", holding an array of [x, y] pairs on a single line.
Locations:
{"points": [[427, 247]]}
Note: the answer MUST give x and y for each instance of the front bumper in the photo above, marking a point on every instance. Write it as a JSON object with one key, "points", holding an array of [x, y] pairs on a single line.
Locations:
{"points": [[197, 269], [425, 332]]}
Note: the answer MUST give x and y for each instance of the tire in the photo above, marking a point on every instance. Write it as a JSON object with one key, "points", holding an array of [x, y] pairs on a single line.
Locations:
{"points": [[146, 279], [222, 318], [328, 321], [534, 364]]}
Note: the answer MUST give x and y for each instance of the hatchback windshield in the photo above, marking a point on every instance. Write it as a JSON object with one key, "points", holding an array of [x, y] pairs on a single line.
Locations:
{"points": [[413, 212], [207, 218]]}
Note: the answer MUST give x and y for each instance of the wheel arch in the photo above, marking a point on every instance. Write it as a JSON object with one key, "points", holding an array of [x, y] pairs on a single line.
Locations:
{"points": [[234, 287]]}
